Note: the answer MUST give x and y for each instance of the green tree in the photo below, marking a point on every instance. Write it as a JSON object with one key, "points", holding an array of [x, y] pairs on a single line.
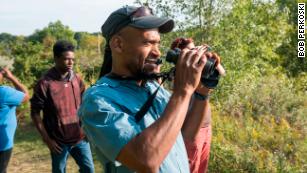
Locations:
{"points": [[29, 62], [6, 37], [88, 41], [56, 30]]}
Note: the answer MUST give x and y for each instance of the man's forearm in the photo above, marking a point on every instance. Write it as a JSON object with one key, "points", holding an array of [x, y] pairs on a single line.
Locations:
{"points": [[154, 143], [19, 86], [37, 120], [198, 115]]}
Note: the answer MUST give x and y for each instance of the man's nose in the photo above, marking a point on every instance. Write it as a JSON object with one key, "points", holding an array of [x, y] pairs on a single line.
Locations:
{"points": [[71, 61], [156, 52]]}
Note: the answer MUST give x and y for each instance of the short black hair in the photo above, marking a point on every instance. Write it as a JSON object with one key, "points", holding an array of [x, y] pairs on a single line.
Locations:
{"points": [[62, 46]]}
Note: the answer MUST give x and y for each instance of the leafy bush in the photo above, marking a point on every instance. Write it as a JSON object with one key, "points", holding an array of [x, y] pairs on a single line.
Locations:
{"points": [[267, 95], [263, 145]]}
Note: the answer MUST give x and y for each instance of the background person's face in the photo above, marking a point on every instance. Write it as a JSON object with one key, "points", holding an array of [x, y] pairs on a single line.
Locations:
{"points": [[190, 45], [65, 62], [141, 49]]}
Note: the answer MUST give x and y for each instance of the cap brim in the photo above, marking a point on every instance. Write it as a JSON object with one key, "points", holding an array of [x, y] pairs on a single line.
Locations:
{"points": [[149, 22]]}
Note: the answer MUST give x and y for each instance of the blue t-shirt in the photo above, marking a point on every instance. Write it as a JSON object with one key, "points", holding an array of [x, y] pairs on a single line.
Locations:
{"points": [[9, 99], [107, 115]]}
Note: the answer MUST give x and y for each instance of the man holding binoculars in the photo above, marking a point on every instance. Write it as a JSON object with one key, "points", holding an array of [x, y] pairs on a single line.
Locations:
{"points": [[153, 142]]}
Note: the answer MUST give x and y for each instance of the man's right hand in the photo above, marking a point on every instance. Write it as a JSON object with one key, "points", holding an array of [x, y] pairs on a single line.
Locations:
{"points": [[189, 69], [53, 146]]}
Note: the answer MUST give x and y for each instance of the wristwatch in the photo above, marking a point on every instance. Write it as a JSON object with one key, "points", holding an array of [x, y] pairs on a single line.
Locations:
{"points": [[202, 97]]}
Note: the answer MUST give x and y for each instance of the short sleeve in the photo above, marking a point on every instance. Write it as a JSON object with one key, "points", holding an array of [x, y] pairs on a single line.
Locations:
{"points": [[12, 97], [106, 126], [39, 96]]}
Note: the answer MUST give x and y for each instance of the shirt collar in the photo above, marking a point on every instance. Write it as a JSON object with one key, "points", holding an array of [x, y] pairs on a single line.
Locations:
{"points": [[55, 74], [114, 83]]}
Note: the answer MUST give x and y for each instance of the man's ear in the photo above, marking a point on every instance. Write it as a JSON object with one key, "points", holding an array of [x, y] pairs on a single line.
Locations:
{"points": [[116, 43]]}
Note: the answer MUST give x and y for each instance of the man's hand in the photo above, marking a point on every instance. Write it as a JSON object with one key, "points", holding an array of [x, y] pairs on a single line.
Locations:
{"points": [[218, 65], [18, 85], [188, 69], [37, 120], [53, 146], [201, 89], [7, 73]]}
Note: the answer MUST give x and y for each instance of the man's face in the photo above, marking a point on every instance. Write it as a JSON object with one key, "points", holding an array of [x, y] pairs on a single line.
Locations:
{"points": [[65, 62], [141, 50]]}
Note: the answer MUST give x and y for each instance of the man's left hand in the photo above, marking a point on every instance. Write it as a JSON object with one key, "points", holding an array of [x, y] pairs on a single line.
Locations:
{"points": [[7, 73]]}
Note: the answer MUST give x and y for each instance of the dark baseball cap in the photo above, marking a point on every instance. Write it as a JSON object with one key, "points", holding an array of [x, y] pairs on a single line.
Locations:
{"points": [[138, 17]]}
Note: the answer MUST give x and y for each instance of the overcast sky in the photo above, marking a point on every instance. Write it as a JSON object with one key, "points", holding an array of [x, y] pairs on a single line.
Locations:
{"points": [[22, 17]]}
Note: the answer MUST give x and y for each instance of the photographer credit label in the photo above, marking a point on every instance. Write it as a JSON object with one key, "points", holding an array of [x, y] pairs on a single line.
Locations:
{"points": [[301, 30]]}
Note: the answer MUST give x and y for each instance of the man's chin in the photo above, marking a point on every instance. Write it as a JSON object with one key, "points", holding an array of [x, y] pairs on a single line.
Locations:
{"points": [[69, 69], [148, 73], [151, 68]]}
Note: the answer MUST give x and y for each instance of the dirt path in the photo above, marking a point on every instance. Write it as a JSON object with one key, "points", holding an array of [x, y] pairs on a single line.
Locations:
{"points": [[31, 155]]}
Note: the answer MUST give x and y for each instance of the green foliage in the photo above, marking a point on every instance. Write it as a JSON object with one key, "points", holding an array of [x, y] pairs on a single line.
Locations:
{"points": [[88, 41], [263, 145], [6, 37], [56, 30], [260, 106], [288, 49], [33, 55], [88, 55], [30, 61], [269, 95], [6, 62]]}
